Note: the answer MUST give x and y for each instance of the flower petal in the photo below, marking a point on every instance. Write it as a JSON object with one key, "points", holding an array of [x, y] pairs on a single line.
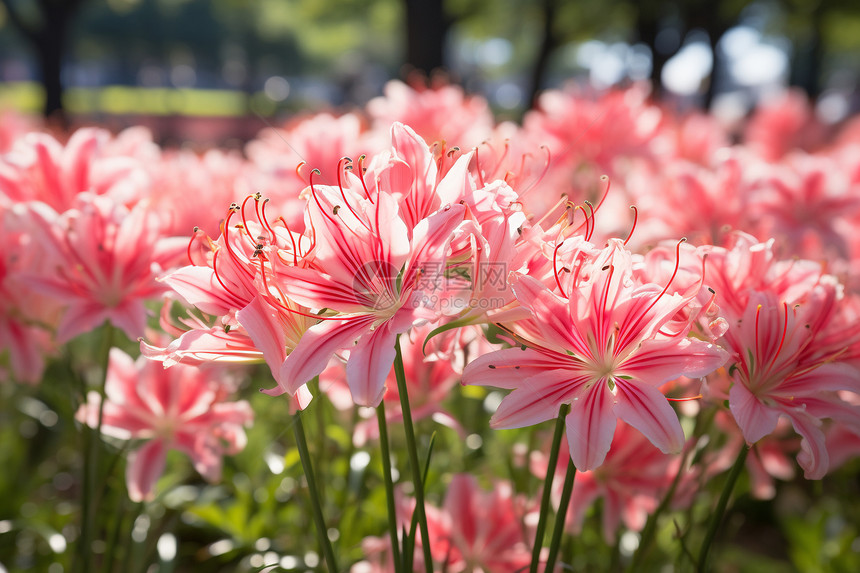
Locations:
{"points": [[658, 361], [315, 349], [508, 368], [754, 419], [551, 316], [590, 427], [369, 364], [143, 469], [536, 400], [261, 322], [813, 457], [647, 409]]}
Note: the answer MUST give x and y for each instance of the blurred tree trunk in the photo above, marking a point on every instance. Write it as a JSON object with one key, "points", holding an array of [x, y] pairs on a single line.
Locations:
{"points": [[48, 37], [647, 29], [426, 30], [808, 56], [708, 16], [548, 43], [711, 87]]}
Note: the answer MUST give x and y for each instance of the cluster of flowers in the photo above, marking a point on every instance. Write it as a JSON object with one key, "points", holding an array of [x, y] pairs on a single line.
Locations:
{"points": [[506, 261]]}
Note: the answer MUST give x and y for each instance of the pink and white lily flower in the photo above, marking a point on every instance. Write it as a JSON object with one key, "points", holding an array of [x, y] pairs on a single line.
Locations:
{"points": [[374, 272], [602, 350], [181, 408]]}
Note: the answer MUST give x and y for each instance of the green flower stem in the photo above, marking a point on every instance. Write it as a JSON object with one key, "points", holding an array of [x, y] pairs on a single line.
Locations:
{"points": [[389, 485], [558, 529], [131, 544], [547, 486], [720, 510], [703, 425], [350, 450], [119, 515], [92, 447], [320, 449], [651, 525], [316, 507], [414, 462]]}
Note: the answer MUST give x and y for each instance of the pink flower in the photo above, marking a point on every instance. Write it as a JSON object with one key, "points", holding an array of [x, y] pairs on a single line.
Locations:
{"points": [[429, 381], [634, 478], [475, 531], [787, 364], [367, 268], [283, 159], [784, 123], [27, 318], [793, 345], [603, 350], [102, 261], [769, 459], [437, 113], [695, 137], [745, 266], [12, 127], [808, 203], [318, 141], [244, 320], [684, 199], [217, 175], [592, 132], [422, 181], [39, 168], [179, 408]]}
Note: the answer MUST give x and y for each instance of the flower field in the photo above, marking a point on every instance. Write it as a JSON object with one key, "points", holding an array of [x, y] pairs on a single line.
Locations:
{"points": [[613, 337]]}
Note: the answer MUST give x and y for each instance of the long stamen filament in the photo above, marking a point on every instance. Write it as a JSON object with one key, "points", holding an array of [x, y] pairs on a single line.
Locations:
{"points": [[784, 333], [555, 268], [633, 228], [589, 220]]}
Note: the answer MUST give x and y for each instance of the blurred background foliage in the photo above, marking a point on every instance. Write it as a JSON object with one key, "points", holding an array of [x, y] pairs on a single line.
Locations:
{"points": [[234, 58]]}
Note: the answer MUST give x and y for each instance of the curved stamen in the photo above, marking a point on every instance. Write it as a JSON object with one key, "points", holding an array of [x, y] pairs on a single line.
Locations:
{"points": [[555, 269], [687, 399], [543, 173], [340, 168], [261, 215], [293, 242], [572, 216], [478, 167], [361, 170], [218, 275], [604, 298], [549, 212], [782, 340], [255, 241], [605, 179], [191, 242], [316, 198], [225, 232], [642, 316], [674, 273], [757, 345], [589, 216], [242, 210], [633, 228]]}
